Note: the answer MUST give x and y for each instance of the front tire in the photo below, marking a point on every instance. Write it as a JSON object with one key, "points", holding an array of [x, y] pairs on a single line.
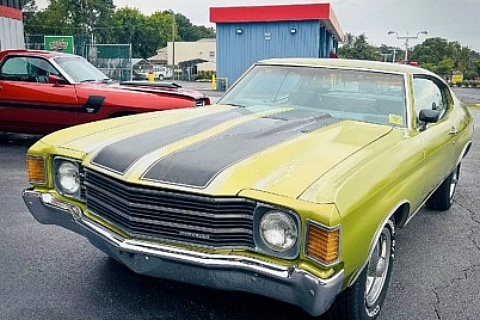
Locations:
{"points": [[442, 198], [364, 299]]}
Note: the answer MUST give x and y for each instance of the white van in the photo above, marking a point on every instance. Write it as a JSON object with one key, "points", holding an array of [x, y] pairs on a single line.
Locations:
{"points": [[161, 73]]}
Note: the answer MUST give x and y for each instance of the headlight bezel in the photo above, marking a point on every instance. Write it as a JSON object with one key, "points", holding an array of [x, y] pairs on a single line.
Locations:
{"points": [[58, 162], [261, 243]]}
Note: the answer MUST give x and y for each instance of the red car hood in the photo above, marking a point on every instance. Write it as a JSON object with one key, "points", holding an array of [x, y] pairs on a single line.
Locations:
{"points": [[158, 87]]}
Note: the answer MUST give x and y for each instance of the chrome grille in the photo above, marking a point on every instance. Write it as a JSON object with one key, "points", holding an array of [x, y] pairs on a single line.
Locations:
{"points": [[169, 215]]}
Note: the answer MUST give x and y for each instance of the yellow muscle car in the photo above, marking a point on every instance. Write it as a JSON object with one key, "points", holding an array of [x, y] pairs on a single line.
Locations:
{"points": [[291, 187]]}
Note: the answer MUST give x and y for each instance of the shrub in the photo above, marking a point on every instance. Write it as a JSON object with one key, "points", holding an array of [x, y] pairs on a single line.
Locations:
{"points": [[205, 75]]}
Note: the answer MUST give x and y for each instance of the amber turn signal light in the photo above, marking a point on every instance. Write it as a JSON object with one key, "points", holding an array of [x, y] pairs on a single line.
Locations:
{"points": [[323, 244], [36, 169]]}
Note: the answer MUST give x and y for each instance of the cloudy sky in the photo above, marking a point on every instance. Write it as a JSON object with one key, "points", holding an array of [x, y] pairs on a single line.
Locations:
{"points": [[454, 20]]}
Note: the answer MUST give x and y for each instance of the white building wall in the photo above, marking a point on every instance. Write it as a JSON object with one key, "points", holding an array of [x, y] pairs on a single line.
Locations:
{"points": [[185, 51], [11, 34], [207, 66]]}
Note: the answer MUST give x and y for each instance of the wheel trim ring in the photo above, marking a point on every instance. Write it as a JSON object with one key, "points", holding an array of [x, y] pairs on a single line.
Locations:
{"points": [[453, 184], [376, 280]]}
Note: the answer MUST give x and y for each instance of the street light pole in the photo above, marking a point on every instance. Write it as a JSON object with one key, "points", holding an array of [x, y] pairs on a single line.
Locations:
{"points": [[406, 38], [173, 43], [394, 51], [385, 56]]}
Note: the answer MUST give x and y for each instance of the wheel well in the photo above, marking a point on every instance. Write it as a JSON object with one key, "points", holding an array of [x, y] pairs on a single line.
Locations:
{"points": [[467, 149], [401, 215], [120, 114]]}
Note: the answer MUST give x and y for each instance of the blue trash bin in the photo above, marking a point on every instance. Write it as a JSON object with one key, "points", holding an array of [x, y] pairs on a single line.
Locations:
{"points": [[221, 84]]}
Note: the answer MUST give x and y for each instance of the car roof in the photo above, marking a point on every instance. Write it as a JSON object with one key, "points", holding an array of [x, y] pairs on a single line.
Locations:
{"points": [[348, 63], [37, 53]]}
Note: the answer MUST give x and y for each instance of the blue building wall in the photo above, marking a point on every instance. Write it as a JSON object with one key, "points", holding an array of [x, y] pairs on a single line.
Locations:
{"points": [[241, 44]]}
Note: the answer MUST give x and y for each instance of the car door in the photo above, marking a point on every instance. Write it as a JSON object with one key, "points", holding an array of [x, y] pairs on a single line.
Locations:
{"points": [[29, 103], [438, 138]]}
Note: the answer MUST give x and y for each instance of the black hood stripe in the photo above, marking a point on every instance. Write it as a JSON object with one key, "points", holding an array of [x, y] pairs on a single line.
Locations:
{"points": [[119, 156], [198, 164]]}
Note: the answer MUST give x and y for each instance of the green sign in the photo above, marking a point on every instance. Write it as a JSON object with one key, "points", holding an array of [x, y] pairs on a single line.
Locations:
{"points": [[59, 43]]}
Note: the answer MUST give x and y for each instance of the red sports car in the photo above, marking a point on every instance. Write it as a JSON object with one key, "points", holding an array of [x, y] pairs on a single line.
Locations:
{"points": [[43, 91]]}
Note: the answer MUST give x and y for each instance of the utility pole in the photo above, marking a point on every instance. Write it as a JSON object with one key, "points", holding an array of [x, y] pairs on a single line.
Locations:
{"points": [[385, 56], [173, 44], [406, 38], [394, 51]]}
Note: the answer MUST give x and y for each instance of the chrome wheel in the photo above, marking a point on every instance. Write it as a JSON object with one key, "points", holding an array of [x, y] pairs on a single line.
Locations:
{"points": [[377, 269], [363, 300], [442, 198], [453, 183]]}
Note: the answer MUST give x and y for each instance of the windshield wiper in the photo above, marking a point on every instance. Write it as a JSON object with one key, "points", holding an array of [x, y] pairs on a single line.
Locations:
{"points": [[234, 105]]}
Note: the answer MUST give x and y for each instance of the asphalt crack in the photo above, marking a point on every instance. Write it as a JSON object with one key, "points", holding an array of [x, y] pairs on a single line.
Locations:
{"points": [[467, 273], [475, 220]]}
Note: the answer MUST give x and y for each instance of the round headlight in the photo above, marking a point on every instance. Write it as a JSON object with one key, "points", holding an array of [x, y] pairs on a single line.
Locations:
{"points": [[278, 230], [68, 177]]}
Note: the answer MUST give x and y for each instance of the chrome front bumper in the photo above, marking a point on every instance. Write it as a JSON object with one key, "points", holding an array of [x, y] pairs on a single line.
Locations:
{"points": [[226, 272]]}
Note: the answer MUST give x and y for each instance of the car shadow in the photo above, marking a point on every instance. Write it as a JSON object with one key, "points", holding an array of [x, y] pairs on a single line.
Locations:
{"points": [[16, 139], [184, 301]]}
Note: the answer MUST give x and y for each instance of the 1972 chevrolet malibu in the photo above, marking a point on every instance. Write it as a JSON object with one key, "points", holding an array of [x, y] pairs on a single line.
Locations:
{"points": [[291, 187]]}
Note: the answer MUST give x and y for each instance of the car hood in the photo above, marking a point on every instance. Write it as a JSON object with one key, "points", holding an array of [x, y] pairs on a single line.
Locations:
{"points": [[145, 87], [220, 150]]}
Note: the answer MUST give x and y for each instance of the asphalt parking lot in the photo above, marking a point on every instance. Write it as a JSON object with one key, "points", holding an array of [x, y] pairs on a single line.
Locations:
{"points": [[48, 273]]}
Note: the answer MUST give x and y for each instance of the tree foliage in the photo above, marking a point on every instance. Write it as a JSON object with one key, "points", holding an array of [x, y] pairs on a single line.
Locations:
{"points": [[446, 57], [107, 25], [100, 20], [435, 54], [357, 47]]}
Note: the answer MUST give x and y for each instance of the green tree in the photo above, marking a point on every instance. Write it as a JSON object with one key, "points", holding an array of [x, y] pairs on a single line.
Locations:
{"points": [[131, 26], [442, 68], [188, 32], [99, 20], [72, 17], [443, 57], [29, 8], [357, 47]]}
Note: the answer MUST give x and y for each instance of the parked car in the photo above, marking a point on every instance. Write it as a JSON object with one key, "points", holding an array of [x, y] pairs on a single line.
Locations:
{"points": [[159, 73], [292, 187], [42, 91]]}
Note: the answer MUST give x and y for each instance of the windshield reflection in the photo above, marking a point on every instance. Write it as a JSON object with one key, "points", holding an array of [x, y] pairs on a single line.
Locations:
{"points": [[369, 96], [80, 70]]}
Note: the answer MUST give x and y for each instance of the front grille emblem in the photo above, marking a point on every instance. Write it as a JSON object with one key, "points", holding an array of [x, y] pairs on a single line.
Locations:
{"points": [[194, 235]]}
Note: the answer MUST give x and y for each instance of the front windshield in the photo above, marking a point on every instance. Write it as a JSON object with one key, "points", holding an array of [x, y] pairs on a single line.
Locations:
{"points": [[79, 69], [354, 94]]}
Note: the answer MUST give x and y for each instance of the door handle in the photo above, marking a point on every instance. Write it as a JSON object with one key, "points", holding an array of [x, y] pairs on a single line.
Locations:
{"points": [[453, 131]]}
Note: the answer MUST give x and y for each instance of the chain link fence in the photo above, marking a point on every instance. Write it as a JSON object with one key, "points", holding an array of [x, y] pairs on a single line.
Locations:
{"points": [[114, 60]]}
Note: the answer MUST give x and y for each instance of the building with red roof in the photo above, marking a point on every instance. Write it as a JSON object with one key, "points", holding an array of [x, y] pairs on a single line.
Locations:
{"points": [[251, 33]]}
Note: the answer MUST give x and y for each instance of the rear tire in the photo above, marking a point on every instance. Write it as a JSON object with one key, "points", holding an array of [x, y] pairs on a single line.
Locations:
{"points": [[442, 199], [364, 299]]}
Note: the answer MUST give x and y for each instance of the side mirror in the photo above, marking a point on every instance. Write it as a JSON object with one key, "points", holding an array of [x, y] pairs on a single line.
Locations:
{"points": [[52, 78], [428, 116]]}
